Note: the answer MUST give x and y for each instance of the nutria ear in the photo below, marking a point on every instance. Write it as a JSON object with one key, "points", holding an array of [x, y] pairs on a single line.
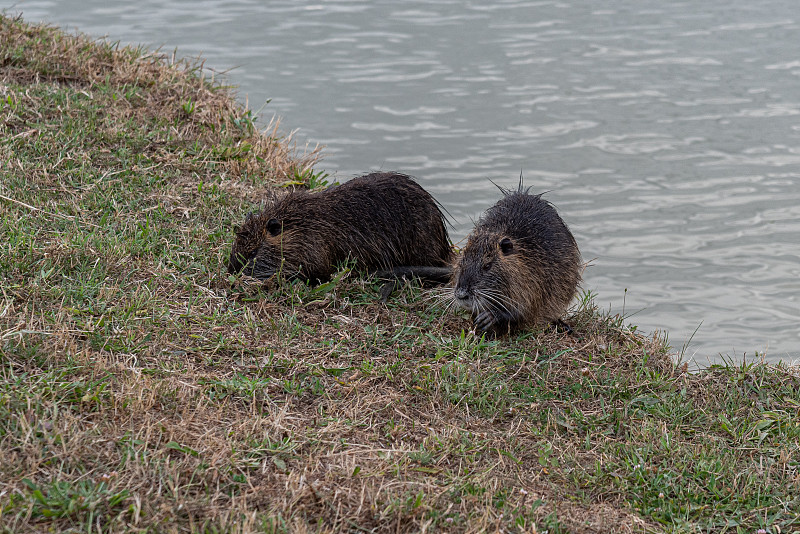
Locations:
{"points": [[506, 246], [274, 226]]}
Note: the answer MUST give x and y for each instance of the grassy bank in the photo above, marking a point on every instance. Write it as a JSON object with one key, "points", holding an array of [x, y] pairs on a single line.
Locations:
{"points": [[141, 389]]}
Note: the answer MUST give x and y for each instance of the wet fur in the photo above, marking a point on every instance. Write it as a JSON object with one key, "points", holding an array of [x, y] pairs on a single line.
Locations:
{"points": [[381, 220], [520, 266]]}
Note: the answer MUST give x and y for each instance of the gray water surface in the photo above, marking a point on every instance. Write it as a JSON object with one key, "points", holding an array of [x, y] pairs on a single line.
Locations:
{"points": [[667, 133]]}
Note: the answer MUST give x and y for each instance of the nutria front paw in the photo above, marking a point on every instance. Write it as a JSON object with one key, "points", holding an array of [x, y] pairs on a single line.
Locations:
{"points": [[485, 321]]}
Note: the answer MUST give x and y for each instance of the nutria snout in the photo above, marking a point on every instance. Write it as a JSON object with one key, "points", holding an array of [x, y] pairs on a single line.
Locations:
{"points": [[381, 220], [520, 266]]}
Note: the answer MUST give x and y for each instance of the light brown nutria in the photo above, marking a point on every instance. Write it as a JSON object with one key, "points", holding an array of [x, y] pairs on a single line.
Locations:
{"points": [[381, 220], [520, 266]]}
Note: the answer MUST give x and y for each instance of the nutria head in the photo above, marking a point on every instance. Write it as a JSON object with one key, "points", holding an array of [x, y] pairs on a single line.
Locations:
{"points": [[283, 237], [490, 275], [258, 231]]}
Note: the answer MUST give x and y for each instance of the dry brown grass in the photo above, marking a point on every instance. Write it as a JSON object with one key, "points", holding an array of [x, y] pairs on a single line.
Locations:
{"points": [[204, 119], [356, 434], [141, 389]]}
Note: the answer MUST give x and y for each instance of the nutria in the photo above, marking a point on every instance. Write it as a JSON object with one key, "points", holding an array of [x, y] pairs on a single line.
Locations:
{"points": [[520, 266], [381, 220]]}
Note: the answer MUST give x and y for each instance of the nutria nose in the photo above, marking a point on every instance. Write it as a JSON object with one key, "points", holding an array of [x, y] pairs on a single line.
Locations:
{"points": [[461, 293]]}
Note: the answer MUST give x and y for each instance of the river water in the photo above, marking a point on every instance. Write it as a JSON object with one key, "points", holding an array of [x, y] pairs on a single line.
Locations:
{"points": [[667, 133]]}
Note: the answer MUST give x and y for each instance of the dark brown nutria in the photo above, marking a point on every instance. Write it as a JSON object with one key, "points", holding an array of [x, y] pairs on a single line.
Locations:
{"points": [[381, 220], [520, 266]]}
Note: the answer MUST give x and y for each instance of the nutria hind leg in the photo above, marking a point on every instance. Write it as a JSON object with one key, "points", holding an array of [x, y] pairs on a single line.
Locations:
{"points": [[559, 325], [387, 289]]}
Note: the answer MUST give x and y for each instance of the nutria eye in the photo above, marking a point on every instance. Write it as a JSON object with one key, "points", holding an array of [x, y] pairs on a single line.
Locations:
{"points": [[273, 226], [506, 246]]}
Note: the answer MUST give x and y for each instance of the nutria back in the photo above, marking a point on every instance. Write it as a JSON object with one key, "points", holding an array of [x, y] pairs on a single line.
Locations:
{"points": [[381, 220], [520, 266]]}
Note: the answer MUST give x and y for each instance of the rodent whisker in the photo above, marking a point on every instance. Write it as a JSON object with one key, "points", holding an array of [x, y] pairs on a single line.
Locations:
{"points": [[442, 296], [479, 304], [492, 301], [503, 301], [449, 304], [439, 293], [436, 298]]}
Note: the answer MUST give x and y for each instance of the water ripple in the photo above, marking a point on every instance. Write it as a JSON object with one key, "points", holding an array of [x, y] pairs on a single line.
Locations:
{"points": [[633, 144]]}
